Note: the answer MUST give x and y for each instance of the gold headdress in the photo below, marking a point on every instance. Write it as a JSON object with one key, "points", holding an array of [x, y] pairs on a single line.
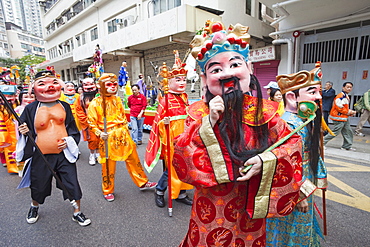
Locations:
{"points": [[214, 39], [178, 69], [300, 79]]}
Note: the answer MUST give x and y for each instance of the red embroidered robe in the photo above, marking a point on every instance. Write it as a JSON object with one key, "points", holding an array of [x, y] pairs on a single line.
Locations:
{"points": [[226, 212]]}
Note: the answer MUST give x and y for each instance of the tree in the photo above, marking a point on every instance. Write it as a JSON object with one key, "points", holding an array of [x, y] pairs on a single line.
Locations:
{"points": [[31, 60]]}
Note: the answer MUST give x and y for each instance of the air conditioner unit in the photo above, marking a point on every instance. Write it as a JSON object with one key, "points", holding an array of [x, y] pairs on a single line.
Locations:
{"points": [[119, 21], [64, 19], [126, 21]]}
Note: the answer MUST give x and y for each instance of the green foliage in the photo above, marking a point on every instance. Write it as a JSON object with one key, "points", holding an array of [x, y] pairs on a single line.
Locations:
{"points": [[22, 62]]}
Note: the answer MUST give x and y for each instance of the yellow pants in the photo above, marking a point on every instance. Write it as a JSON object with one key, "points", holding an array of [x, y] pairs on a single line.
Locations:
{"points": [[11, 164], [134, 168]]}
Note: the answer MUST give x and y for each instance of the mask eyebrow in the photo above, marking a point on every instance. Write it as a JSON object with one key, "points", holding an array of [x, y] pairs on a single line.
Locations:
{"points": [[310, 88], [235, 57], [211, 64]]}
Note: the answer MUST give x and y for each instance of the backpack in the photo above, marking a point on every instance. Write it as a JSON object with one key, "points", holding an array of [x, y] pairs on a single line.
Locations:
{"points": [[359, 105]]}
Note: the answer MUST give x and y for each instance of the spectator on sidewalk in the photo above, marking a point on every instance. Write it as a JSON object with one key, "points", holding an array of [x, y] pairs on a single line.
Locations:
{"points": [[137, 103], [141, 83], [328, 95], [363, 106], [339, 114], [275, 95], [272, 84]]}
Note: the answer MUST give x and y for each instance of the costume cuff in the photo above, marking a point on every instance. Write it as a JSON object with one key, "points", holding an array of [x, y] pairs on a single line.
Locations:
{"points": [[214, 151], [307, 188], [262, 198]]}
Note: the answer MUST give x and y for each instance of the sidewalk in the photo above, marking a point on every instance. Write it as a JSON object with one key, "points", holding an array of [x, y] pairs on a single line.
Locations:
{"points": [[361, 144]]}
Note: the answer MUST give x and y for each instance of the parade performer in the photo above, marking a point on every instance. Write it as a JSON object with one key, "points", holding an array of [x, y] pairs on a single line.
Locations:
{"points": [[142, 85], [70, 96], [158, 146], [25, 97], [230, 131], [8, 137], [301, 227], [106, 116], [81, 106], [123, 75], [52, 122]]}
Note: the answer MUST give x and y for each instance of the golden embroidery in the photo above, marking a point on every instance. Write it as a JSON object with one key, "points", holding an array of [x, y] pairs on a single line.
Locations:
{"points": [[219, 237]]}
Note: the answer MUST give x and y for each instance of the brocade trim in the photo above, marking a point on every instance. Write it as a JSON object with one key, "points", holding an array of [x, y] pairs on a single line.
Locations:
{"points": [[262, 198], [322, 183], [214, 151], [307, 188]]}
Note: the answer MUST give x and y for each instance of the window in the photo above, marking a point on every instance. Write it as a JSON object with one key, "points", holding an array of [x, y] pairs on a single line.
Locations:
{"points": [[161, 6], [94, 33], [78, 38], [248, 7], [83, 38], [112, 26], [260, 11], [68, 74], [24, 46]]}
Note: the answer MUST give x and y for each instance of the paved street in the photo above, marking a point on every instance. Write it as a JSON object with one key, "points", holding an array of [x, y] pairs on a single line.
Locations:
{"points": [[134, 220]]}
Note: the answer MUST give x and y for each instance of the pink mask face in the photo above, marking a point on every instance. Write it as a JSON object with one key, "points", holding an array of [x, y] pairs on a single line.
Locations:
{"points": [[11, 98], [69, 89], [27, 99], [88, 85], [310, 93], [224, 66], [111, 87], [177, 84], [47, 89]]}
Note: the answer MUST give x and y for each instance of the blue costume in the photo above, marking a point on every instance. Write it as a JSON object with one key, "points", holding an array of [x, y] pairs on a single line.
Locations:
{"points": [[123, 76], [299, 229]]}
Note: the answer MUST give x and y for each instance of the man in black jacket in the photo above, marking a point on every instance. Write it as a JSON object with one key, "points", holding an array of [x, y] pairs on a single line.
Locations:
{"points": [[328, 95]]}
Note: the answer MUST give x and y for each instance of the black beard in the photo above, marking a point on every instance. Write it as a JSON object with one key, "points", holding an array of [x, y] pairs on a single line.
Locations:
{"points": [[90, 93], [231, 123]]}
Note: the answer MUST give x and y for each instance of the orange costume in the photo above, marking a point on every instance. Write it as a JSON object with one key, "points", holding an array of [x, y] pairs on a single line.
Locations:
{"points": [[8, 139], [71, 99], [157, 145], [8, 136], [120, 145], [88, 135]]}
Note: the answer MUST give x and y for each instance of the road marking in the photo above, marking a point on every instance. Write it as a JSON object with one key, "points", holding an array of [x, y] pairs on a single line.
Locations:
{"points": [[346, 166], [354, 198]]}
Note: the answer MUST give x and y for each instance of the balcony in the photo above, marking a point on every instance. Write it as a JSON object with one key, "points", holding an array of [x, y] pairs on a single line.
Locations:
{"points": [[179, 23]]}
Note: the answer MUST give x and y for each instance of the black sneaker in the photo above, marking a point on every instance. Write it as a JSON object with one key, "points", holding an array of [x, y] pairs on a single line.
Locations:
{"points": [[33, 215], [81, 219]]}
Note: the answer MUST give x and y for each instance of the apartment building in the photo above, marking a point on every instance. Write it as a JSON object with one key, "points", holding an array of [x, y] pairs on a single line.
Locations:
{"points": [[4, 46], [22, 43], [141, 32]]}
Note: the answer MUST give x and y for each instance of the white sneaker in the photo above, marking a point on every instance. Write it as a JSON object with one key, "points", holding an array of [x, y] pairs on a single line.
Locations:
{"points": [[349, 149], [92, 160], [97, 155], [359, 134]]}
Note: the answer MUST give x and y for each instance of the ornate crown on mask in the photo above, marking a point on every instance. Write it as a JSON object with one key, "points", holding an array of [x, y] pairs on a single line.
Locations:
{"points": [[178, 69], [300, 79], [214, 39]]}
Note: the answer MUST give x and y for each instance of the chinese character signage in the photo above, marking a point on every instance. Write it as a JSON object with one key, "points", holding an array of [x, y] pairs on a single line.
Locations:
{"points": [[262, 54]]}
